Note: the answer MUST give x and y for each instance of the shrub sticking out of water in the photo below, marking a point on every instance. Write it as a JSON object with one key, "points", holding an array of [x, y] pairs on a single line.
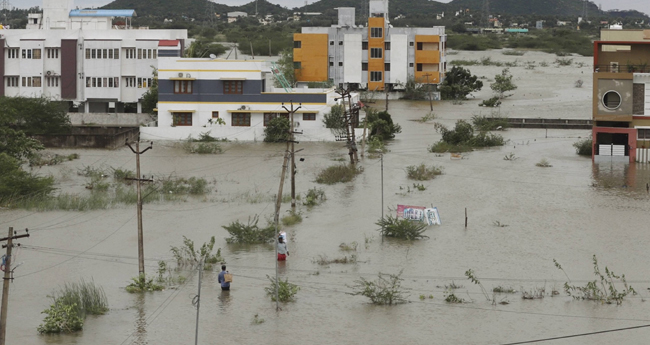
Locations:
{"points": [[314, 196], [602, 289], [143, 284], [39, 160], [544, 163], [504, 289], [491, 102], [121, 175], [451, 286], [463, 139], [493, 122], [286, 291], [205, 145], [192, 185], [249, 233], [70, 306], [293, 218], [339, 173], [89, 298], [451, 298], [385, 290], [422, 172], [61, 318], [323, 260], [428, 117], [535, 293], [564, 61], [584, 146], [349, 247], [376, 147], [442, 147], [257, 320], [401, 228], [188, 255]]}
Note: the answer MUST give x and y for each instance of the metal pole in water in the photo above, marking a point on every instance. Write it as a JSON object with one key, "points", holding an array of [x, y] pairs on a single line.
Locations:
{"points": [[198, 304], [382, 194]]}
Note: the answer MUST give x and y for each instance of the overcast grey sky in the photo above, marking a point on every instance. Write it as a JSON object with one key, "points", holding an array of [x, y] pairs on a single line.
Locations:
{"points": [[640, 5]]}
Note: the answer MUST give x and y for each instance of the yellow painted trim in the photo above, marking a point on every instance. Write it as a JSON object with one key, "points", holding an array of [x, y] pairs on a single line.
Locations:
{"points": [[211, 70], [272, 103], [294, 93], [272, 111], [219, 60], [182, 111], [234, 78]]}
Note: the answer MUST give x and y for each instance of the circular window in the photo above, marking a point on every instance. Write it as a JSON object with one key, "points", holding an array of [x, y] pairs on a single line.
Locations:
{"points": [[612, 100]]}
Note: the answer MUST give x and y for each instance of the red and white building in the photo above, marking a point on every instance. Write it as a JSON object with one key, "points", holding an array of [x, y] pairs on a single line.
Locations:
{"points": [[92, 58]]}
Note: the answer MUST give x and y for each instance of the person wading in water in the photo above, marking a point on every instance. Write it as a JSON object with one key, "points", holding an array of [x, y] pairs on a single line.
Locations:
{"points": [[283, 251]]}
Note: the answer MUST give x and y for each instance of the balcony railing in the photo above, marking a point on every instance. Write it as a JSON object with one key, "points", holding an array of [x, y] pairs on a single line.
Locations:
{"points": [[611, 68]]}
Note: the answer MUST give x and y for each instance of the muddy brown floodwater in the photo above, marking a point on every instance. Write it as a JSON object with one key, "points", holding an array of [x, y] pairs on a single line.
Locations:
{"points": [[568, 212]]}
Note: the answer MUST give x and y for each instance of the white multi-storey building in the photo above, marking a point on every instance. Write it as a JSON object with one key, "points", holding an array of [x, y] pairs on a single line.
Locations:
{"points": [[92, 58], [233, 99]]}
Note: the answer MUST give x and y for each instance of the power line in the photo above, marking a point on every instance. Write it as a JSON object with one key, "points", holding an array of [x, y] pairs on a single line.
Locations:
{"points": [[579, 335], [85, 251]]}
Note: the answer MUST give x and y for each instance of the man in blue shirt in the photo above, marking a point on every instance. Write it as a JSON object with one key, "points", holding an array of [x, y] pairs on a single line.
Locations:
{"points": [[225, 286]]}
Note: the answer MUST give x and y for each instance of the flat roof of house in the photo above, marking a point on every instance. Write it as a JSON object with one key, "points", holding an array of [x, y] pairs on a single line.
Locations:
{"points": [[102, 13]]}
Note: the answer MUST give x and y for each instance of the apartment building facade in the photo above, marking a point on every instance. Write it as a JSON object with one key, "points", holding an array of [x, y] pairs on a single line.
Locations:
{"points": [[375, 57], [81, 57], [232, 99], [621, 101]]}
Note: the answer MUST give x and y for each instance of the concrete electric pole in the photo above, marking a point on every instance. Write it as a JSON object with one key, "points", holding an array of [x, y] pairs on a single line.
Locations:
{"points": [[7, 277], [139, 180]]}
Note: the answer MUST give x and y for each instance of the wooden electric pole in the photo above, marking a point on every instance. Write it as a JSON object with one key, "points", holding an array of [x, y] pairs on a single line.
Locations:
{"points": [[139, 179], [292, 141], [7, 277], [351, 114]]}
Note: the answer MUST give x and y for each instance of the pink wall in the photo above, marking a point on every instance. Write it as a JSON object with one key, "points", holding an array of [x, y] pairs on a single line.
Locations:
{"points": [[631, 139]]}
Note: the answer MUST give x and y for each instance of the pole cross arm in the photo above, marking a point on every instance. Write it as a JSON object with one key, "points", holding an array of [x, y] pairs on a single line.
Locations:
{"points": [[138, 179]]}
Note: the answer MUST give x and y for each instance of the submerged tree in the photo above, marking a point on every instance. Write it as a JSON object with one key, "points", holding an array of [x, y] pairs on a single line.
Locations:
{"points": [[503, 83], [381, 124], [459, 82], [278, 130], [335, 120]]}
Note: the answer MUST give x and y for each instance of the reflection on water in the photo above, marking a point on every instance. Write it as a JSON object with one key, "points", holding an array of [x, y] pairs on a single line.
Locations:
{"points": [[225, 300], [624, 177], [140, 322]]}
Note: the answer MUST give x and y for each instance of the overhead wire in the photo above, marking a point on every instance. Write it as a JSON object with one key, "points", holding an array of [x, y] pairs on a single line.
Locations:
{"points": [[93, 246], [578, 335]]}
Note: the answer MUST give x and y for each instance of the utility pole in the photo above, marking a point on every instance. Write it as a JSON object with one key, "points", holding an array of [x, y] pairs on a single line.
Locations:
{"points": [[292, 141], [198, 303], [429, 90], [382, 195], [7, 277], [139, 178], [386, 100], [278, 204], [351, 113]]}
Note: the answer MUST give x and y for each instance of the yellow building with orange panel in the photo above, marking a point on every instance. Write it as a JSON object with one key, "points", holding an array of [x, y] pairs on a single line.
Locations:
{"points": [[373, 55]]}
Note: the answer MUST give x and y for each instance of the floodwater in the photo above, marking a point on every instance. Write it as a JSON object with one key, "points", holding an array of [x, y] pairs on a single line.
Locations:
{"points": [[567, 212]]}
